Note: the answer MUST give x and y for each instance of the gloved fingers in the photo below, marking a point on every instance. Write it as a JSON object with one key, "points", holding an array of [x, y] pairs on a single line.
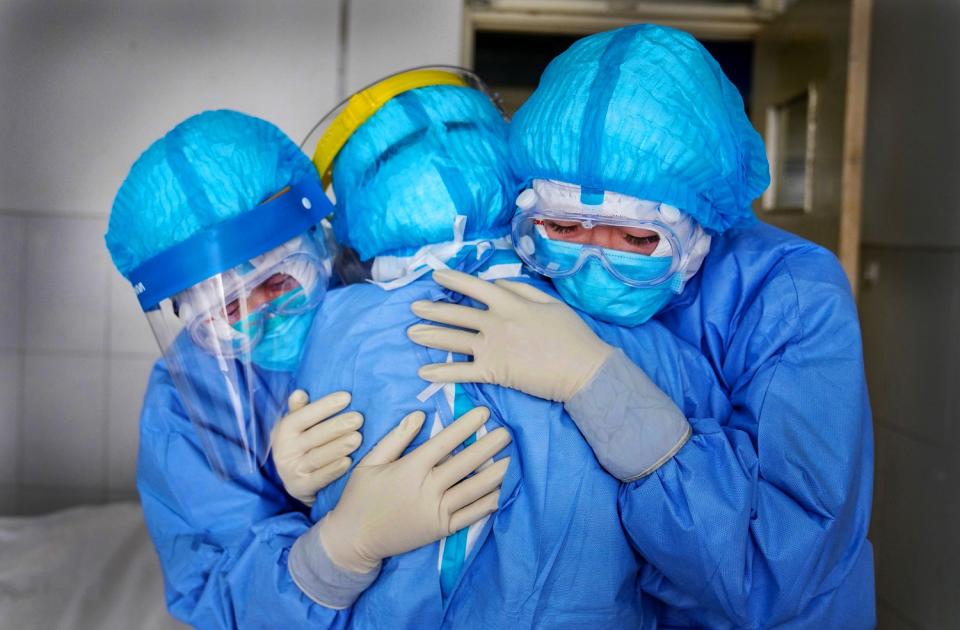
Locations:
{"points": [[323, 477], [456, 372], [452, 314], [469, 459], [450, 339], [471, 286], [475, 487], [297, 400], [526, 291], [302, 419], [329, 430], [333, 450], [469, 515], [393, 443], [443, 443]]}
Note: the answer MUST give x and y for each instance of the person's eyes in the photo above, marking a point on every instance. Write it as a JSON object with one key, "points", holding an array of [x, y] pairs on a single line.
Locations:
{"points": [[279, 282], [561, 228], [641, 241], [233, 311]]}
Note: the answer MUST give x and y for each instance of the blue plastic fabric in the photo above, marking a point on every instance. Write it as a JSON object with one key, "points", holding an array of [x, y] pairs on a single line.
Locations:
{"points": [[223, 543], [426, 156], [643, 111], [555, 554], [209, 168], [759, 520]]}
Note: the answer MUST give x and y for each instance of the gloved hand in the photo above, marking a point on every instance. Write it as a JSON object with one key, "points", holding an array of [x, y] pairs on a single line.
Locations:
{"points": [[525, 340], [309, 447], [390, 506]]}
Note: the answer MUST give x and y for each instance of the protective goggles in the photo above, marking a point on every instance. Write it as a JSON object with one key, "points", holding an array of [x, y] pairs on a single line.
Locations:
{"points": [[333, 131], [559, 244], [226, 313]]}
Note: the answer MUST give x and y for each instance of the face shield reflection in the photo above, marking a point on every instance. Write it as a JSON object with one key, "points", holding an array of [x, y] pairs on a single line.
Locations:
{"points": [[231, 342]]}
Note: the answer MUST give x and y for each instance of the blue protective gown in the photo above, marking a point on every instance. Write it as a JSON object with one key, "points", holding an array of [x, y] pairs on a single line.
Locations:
{"points": [[555, 554], [761, 519], [743, 528], [223, 543]]}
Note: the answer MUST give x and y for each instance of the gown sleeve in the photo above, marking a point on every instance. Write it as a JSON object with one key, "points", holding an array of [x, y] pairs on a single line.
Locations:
{"points": [[765, 508], [223, 544]]}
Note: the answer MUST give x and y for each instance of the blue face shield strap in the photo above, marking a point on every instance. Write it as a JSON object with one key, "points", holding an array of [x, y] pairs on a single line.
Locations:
{"points": [[230, 243], [453, 180], [595, 116]]}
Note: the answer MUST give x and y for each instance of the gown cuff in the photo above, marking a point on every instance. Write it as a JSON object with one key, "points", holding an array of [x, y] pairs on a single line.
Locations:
{"points": [[632, 426], [320, 579]]}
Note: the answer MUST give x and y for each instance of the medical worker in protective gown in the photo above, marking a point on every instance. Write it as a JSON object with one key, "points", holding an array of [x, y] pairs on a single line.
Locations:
{"points": [[218, 228], [418, 167], [639, 168]]}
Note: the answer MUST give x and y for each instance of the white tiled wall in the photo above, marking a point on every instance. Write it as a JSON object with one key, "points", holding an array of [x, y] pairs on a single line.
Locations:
{"points": [[66, 289], [94, 84], [72, 377]]}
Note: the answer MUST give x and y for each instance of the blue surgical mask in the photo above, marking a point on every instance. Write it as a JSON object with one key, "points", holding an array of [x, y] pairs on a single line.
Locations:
{"points": [[593, 290], [283, 336]]}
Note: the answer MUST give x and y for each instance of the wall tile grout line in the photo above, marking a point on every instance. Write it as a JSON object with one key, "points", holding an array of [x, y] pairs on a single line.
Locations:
{"points": [[105, 371], [344, 37], [21, 409]]}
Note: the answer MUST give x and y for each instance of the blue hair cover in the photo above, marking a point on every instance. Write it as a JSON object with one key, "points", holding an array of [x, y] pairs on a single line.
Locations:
{"points": [[210, 168], [647, 112], [425, 157]]}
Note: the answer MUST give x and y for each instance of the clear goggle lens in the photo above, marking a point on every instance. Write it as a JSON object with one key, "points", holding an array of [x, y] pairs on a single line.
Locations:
{"points": [[638, 253]]}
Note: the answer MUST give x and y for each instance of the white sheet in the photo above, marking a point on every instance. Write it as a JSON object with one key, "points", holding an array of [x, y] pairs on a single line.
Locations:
{"points": [[87, 567]]}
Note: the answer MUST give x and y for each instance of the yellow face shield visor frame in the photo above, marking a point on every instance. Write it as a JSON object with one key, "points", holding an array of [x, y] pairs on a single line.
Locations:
{"points": [[334, 130]]}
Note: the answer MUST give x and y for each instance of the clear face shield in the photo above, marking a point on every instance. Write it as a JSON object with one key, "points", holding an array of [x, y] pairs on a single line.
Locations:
{"points": [[333, 130], [232, 340]]}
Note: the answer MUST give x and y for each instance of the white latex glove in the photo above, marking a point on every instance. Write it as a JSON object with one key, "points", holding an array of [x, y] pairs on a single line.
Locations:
{"points": [[525, 340], [390, 506], [310, 448]]}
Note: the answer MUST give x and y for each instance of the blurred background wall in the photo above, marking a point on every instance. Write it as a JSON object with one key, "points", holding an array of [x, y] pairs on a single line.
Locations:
{"points": [[84, 88], [910, 308]]}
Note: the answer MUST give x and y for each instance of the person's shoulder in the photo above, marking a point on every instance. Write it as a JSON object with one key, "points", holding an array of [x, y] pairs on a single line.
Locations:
{"points": [[762, 254], [787, 278], [350, 295]]}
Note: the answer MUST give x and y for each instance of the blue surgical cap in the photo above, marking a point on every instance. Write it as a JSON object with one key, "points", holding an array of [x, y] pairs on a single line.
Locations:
{"points": [[647, 112], [425, 157], [209, 168]]}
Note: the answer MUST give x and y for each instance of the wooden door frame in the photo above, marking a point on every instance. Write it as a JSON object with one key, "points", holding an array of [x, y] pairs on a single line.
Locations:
{"points": [[854, 136]]}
